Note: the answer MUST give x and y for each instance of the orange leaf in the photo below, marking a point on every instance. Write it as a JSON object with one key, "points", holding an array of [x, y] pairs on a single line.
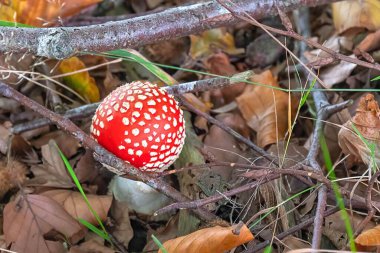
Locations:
{"points": [[29, 218], [370, 237], [42, 12], [76, 206], [265, 109], [81, 82], [209, 240]]}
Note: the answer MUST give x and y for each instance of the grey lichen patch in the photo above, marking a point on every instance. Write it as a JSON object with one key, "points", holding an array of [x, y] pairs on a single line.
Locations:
{"points": [[55, 45]]}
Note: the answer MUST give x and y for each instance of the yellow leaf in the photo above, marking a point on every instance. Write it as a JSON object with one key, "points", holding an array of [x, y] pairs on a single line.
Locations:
{"points": [[205, 44], [266, 110], [42, 12], [370, 237], [209, 240], [356, 14], [81, 82]]}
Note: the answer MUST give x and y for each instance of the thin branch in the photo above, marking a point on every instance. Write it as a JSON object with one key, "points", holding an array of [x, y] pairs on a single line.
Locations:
{"points": [[102, 155], [62, 42], [88, 110]]}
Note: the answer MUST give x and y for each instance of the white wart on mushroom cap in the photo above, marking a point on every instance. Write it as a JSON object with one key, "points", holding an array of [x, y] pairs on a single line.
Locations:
{"points": [[141, 124]]}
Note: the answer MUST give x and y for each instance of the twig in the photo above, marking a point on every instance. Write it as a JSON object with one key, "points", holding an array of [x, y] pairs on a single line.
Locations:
{"points": [[101, 154], [88, 110], [290, 231], [62, 42]]}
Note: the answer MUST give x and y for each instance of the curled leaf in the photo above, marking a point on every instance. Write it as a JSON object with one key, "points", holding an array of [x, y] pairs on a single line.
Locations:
{"points": [[266, 110], [360, 135], [81, 82], [210, 240], [369, 237]]}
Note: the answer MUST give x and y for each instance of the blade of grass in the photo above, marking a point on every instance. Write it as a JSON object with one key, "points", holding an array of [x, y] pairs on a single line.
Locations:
{"points": [[159, 244], [94, 229], [79, 186], [14, 24], [338, 196]]}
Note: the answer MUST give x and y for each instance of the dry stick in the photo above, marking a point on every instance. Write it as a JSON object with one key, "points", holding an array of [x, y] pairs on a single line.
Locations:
{"points": [[101, 154], [88, 110], [290, 231], [62, 42], [270, 174]]}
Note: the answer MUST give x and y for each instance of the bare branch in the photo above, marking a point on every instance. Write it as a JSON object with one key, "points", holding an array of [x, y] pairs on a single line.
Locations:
{"points": [[62, 42]]}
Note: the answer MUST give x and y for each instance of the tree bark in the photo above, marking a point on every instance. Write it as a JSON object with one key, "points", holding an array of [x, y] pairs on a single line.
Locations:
{"points": [[63, 42]]}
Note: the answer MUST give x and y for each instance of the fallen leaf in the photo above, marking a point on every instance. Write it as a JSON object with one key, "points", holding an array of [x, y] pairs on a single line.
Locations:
{"points": [[12, 174], [356, 14], [75, 205], [266, 110], [123, 230], [370, 42], [368, 239], [28, 219], [41, 13], [222, 238], [209, 41], [91, 246], [52, 172], [329, 75], [367, 122], [335, 228], [220, 64], [169, 231], [294, 243], [81, 82]]}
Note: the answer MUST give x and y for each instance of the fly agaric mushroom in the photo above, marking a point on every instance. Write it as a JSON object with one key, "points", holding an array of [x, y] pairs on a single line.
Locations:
{"points": [[141, 124]]}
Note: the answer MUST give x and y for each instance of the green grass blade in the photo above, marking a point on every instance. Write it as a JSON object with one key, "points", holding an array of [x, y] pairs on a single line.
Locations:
{"points": [[338, 196], [159, 244], [14, 24], [306, 95], [79, 186], [153, 68], [376, 78], [94, 229]]}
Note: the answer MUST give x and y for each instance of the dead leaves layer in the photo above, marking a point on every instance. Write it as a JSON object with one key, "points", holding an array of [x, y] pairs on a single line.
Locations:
{"points": [[29, 219]]}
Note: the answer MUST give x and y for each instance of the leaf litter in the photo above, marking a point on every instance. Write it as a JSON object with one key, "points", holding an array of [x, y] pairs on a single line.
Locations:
{"points": [[41, 205]]}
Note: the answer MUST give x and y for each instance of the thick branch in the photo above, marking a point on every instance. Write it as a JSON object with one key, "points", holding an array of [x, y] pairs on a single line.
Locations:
{"points": [[63, 42]]}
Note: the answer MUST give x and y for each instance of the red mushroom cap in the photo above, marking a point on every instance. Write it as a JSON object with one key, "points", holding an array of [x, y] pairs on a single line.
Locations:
{"points": [[141, 124]]}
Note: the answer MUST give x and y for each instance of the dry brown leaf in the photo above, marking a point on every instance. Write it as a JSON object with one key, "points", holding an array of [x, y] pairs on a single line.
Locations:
{"points": [[370, 42], [205, 44], [91, 246], [123, 230], [266, 109], [76, 206], [369, 237], [367, 122], [220, 64], [12, 174], [42, 13], [356, 14], [222, 238], [53, 172], [329, 74], [29, 218]]}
